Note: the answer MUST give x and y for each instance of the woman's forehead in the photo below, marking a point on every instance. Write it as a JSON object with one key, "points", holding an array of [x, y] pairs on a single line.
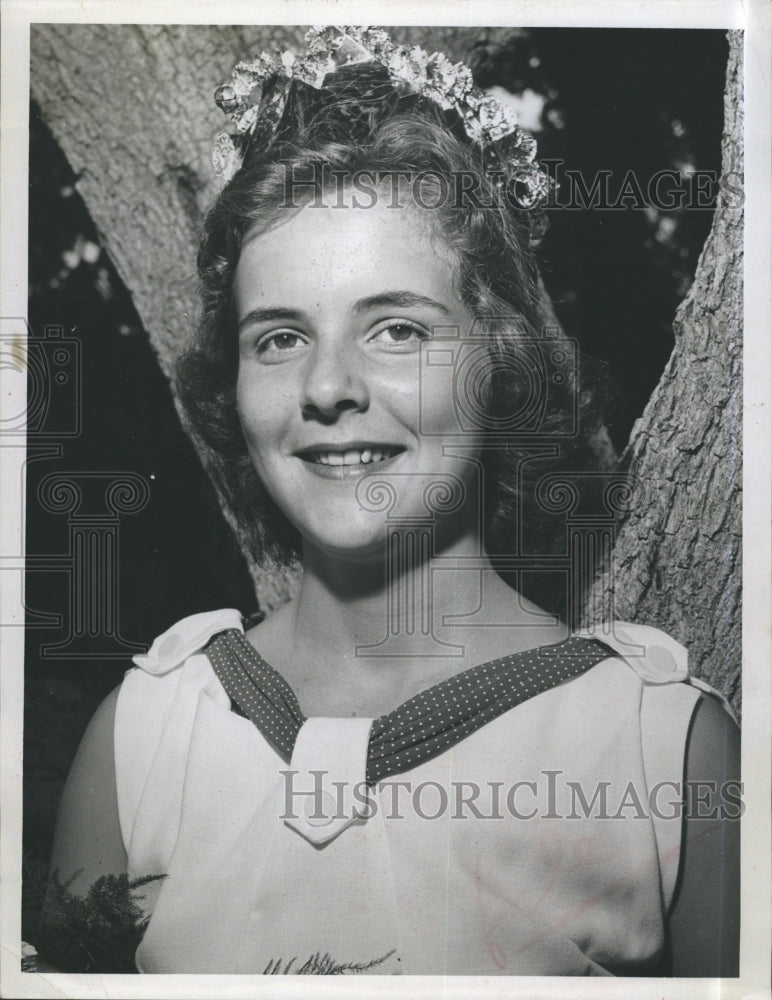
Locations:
{"points": [[349, 204], [342, 246]]}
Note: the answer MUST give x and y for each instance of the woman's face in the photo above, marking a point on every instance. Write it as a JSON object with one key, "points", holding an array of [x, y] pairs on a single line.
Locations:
{"points": [[340, 311]]}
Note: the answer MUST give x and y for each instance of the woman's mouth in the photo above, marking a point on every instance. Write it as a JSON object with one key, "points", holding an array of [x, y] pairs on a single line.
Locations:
{"points": [[345, 463], [352, 456]]}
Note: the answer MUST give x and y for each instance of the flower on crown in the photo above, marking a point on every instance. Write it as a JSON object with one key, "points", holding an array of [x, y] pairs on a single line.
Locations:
{"points": [[254, 98]]}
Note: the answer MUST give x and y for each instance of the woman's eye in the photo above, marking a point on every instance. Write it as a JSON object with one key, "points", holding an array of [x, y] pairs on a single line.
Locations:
{"points": [[276, 344], [400, 335]]}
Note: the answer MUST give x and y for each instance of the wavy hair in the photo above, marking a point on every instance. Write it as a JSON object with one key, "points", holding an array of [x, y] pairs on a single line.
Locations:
{"points": [[361, 125]]}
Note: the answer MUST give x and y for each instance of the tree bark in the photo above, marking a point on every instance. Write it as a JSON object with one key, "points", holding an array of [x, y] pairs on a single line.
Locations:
{"points": [[132, 108], [677, 558]]}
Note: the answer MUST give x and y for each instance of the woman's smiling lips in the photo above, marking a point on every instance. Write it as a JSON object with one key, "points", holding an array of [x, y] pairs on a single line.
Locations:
{"points": [[347, 461]]}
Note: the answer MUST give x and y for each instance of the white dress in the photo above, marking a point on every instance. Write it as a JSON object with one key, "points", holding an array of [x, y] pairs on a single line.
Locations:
{"points": [[546, 842]]}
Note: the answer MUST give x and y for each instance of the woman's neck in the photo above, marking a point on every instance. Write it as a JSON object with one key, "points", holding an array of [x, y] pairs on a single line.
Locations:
{"points": [[398, 600], [364, 635]]}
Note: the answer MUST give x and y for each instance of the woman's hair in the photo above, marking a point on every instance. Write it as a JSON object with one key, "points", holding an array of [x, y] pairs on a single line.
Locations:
{"points": [[526, 371]]}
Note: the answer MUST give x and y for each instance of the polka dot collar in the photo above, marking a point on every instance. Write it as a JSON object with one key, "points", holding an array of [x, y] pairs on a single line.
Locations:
{"points": [[422, 727]]}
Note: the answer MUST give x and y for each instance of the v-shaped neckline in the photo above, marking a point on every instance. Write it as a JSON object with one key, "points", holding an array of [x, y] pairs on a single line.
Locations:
{"points": [[467, 674], [420, 727]]}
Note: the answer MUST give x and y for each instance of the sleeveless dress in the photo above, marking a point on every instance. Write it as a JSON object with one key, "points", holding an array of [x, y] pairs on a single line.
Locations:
{"points": [[546, 842]]}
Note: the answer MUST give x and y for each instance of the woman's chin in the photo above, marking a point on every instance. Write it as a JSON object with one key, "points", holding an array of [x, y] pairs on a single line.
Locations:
{"points": [[358, 546]]}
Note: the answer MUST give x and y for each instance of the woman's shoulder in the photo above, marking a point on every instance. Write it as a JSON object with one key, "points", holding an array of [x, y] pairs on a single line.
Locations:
{"points": [[653, 655], [159, 696], [188, 636], [87, 841], [172, 663], [659, 662], [643, 693]]}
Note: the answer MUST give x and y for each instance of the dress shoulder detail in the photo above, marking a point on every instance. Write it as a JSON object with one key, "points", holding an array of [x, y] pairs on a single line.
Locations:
{"points": [[186, 637], [656, 657], [155, 691]]}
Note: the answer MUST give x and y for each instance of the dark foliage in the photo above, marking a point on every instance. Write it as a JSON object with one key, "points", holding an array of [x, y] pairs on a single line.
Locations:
{"points": [[99, 932]]}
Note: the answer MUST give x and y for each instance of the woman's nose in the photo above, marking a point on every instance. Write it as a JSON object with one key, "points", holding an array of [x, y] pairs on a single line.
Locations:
{"points": [[334, 382]]}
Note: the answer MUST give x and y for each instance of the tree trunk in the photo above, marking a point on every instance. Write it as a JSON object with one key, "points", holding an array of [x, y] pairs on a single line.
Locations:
{"points": [[676, 560], [132, 108]]}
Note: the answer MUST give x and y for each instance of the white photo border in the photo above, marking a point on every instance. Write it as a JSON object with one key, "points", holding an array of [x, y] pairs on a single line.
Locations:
{"points": [[754, 18]]}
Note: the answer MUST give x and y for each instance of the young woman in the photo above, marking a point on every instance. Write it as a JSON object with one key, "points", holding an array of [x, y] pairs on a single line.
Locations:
{"points": [[411, 767]]}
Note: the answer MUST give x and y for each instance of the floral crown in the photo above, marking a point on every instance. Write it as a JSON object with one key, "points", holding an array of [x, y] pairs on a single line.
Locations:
{"points": [[257, 92]]}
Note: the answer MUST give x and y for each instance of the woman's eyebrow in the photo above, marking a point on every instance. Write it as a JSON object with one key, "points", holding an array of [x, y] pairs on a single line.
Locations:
{"points": [[269, 315], [400, 300]]}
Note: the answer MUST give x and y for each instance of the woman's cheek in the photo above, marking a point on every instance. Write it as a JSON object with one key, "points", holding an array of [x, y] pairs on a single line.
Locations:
{"points": [[260, 408], [438, 403]]}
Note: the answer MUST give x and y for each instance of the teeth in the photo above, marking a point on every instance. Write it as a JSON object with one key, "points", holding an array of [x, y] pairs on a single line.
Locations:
{"points": [[353, 457]]}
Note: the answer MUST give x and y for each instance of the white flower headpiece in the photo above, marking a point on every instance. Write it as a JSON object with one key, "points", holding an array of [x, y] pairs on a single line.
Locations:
{"points": [[255, 109]]}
